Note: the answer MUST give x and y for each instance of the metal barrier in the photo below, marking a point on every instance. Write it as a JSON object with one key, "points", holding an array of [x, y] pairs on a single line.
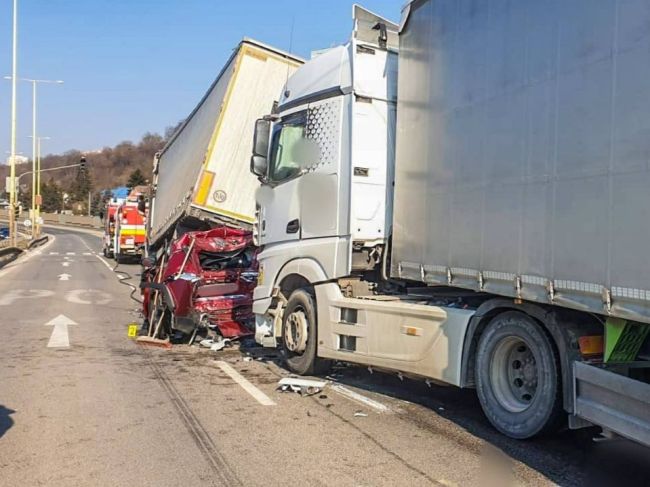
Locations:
{"points": [[61, 219]]}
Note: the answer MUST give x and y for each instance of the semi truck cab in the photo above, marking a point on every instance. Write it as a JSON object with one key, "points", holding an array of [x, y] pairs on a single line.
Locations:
{"points": [[325, 159]]}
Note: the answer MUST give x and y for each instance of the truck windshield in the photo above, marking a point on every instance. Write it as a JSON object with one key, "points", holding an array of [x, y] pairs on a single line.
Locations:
{"points": [[288, 137]]}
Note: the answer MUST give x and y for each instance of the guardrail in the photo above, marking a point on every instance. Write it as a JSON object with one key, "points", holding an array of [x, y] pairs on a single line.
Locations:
{"points": [[8, 253], [61, 219], [21, 243]]}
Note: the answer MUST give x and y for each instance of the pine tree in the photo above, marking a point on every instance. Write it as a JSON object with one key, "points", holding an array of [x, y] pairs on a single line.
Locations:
{"points": [[136, 179], [52, 197]]}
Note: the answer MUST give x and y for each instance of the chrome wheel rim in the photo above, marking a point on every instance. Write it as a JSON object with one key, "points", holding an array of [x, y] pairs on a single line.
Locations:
{"points": [[296, 331]]}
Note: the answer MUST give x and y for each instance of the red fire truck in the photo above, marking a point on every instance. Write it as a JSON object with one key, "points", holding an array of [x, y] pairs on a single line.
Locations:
{"points": [[130, 221], [108, 240]]}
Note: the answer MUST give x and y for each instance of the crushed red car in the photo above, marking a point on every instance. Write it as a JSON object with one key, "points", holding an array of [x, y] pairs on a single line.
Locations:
{"points": [[206, 280]]}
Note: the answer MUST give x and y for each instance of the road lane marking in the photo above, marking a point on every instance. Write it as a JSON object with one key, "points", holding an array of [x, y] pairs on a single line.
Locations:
{"points": [[359, 398], [65, 264], [259, 396], [54, 253], [59, 337], [92, 296], [87, 253], [14, 294], [69, 253], [64, 277]]}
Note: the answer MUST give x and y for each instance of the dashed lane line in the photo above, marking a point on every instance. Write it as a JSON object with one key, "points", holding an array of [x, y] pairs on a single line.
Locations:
{"points": [[258, 395], [359, 398]]}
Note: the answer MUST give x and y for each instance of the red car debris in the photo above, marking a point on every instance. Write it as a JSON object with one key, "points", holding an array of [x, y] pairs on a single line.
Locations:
{"points": [[206, 280]]}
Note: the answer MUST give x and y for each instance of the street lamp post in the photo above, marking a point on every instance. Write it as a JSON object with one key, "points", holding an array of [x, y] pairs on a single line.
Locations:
{"points": [[12, 170], [34, 82]]}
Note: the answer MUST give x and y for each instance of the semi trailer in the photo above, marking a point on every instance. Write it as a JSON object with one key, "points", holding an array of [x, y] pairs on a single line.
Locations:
{"points": [[463, 198], [200, 267], [200, 177]]}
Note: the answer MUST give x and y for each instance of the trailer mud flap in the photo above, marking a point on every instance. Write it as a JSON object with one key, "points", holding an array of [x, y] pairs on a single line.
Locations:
{"points": [[612, 401]]}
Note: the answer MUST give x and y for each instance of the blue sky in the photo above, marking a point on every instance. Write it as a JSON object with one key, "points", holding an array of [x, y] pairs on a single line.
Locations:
{"points": [[132, 66]]}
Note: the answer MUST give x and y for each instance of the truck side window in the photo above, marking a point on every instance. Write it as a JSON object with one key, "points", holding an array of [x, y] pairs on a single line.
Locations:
{"points": [[286, 142]]}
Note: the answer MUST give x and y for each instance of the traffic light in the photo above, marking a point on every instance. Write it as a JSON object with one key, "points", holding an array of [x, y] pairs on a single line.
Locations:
{"points": [[82, 163]]}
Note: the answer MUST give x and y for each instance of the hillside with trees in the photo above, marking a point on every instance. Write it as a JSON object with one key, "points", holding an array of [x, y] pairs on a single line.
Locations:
{"points": [[126, 164]]}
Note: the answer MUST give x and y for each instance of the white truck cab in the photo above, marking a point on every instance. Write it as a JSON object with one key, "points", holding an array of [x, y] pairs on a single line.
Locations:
{"points": [[325, 161]]}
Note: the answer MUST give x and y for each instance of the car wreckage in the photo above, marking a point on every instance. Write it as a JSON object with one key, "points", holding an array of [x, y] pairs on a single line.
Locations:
{"points": [[204, 281]]}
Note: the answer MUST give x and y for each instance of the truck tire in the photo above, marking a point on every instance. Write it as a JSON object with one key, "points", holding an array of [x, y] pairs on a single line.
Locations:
{"points": [[518, 376], [300, 335]]}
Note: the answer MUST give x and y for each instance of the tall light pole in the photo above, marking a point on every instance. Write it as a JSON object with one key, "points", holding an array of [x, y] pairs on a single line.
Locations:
{"points": [[12, 171], [34, 82]]}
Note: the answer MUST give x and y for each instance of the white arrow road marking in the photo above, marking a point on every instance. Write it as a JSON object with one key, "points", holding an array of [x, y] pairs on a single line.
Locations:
{"points": [[87, 296], [65, 264], [13, 295], [64, 277], [59, 337]]}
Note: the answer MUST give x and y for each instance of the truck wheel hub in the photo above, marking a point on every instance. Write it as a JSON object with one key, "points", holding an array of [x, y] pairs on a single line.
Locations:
{"points": [[514, 374], [295, 335]]}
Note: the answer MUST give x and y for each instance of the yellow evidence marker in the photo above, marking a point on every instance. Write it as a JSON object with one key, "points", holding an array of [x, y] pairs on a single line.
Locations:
{"points": [[133, 330]]}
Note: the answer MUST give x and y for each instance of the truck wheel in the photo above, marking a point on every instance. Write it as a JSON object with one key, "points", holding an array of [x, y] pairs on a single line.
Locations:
{"points": [[299, 335], [517, 376]]}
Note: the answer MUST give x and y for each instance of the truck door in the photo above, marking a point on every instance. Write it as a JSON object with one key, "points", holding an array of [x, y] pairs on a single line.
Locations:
{"points": [[279, 206]]}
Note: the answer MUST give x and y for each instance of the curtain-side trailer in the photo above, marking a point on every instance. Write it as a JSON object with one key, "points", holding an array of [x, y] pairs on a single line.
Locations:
{"points": [[201, 176], [501, 245]]}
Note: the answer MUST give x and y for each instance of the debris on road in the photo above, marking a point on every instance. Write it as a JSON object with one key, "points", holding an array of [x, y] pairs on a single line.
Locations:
{"points": [[216, 345], [304, 387], [153, 342]]}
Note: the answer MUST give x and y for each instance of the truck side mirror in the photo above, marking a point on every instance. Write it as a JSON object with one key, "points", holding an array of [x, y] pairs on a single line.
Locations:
{"points": [[259, 161]]}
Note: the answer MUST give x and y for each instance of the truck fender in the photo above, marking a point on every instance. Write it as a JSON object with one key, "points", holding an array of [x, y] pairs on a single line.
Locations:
{"points": [[295, 274], [564, 327], [299, 273]]}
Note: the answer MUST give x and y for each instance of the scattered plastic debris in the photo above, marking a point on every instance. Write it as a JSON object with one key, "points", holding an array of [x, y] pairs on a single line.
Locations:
{"points": [[360, 414], [215, 346], [304, 387]]}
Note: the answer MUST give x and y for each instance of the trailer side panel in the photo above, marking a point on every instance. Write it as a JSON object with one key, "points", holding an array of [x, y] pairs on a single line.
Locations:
{"points": [[522, 151]]}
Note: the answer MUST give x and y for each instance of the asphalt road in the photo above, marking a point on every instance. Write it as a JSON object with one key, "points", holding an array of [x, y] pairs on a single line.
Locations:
{"points": [[104, 411]]}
